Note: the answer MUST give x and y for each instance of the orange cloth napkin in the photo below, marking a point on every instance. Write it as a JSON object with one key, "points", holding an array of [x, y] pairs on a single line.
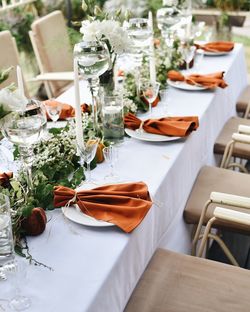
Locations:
{"points": [[122, 204], [217, 46], [174, 126], [67, 110], [5, 177], [210, 80]]}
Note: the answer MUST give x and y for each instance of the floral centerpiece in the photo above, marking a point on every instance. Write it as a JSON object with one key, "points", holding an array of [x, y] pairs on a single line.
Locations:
{"points": [[107, 28]]}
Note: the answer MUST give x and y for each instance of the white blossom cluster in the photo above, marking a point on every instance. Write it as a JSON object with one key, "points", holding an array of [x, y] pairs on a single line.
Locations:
{"points": [[60, 147], [129, 105], [55, 149], [137, 7], [11, 101], [106, 30]]}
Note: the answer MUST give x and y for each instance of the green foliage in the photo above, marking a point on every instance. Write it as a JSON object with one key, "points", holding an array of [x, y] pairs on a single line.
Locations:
{"points": [[4, 74], [18, 22], [229, 5], [74, 36]]}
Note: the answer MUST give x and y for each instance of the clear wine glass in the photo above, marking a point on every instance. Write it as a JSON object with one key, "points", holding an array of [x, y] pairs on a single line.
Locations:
{"points": [[188, 52], [16, 272], [110, 154], [25, 128], [93, 60], [87, 154], [149, 91], [167, 19], [54, 111], [140, 33]]}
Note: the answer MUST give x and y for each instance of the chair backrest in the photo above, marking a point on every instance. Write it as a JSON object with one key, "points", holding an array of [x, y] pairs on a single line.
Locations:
{"points": [[52, 47], [9, 57]]}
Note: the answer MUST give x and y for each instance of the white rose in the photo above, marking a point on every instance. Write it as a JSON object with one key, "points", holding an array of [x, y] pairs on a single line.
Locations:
{"points": [[12, 101]]}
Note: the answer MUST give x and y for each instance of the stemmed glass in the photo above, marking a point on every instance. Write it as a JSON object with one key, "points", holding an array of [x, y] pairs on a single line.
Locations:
{"points": [[25, 128], [140, 33], [149, 92], [87, 154], [188, 52], [110, 154], [167, 19], [54, 111], [16, 273], [93, 60]]}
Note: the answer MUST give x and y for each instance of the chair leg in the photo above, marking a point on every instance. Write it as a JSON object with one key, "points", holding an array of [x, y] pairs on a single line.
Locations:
{"points": [[199, 227], [205, 236], [225, 249], [218, 240]]}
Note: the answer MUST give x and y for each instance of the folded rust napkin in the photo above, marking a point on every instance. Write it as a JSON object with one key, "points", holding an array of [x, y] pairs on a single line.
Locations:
{"points": [[67, 110], [217, 46], [4, 178], [210, 80], [172, 126], [122, 204]]}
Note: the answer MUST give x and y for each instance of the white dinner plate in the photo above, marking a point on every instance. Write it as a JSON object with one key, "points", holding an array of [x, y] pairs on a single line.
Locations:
{"points": [[150, 137], [74, 213], [210, 53], [185, 86]]}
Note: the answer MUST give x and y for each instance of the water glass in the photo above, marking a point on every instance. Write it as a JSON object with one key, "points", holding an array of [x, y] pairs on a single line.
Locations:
{"points": [[112, 116], [165, 99], [87, 154], [110, 154], [54, 111], [6, 237], [149, 91]]}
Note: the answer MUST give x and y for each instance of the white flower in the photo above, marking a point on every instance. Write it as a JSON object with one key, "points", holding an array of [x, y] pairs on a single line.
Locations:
{"points": [[170, 2], [12, 101], [129, 105], [106, 30]]}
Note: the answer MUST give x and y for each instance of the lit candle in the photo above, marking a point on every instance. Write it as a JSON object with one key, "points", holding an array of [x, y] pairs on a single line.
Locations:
{"points": [[20, 80], [152, 68], [78, 112]]}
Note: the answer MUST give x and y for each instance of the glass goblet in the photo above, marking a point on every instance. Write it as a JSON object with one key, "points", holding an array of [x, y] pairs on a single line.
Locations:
{"points": [[188, 53], [140, 33], [110, 154], [149, 91], [25, 128], [93, 60], [54, 111], [16, 273], [87, 154]]}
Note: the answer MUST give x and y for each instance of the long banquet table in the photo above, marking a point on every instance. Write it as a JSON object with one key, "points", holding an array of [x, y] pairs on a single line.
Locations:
{"points": [[96, 269]]}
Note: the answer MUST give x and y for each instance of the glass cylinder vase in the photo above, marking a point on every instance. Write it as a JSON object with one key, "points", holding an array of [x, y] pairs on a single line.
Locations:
{"points": [[112, 118]]}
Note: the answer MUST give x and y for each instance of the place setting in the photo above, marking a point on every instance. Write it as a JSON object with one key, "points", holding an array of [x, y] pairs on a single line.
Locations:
{"points": [[113, 152]]}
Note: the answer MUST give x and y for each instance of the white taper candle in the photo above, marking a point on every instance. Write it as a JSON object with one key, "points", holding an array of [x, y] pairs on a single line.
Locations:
{"points": [[20, 80], [152, 68], [78, 112]]}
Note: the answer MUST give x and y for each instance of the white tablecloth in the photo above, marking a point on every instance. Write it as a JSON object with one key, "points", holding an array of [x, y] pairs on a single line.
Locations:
{"points": [[96, 269]]}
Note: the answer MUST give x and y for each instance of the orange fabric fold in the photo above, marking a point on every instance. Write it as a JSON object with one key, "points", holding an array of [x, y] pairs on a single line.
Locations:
{"points": [[172, 126], [122, 204], [210, 80], [67, 110], [217, 46], [5, 177]]}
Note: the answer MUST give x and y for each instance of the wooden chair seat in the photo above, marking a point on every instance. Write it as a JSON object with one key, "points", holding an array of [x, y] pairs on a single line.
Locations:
{"points": [[243, 100], [213, 179], [240, 150], [179, 283]]}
